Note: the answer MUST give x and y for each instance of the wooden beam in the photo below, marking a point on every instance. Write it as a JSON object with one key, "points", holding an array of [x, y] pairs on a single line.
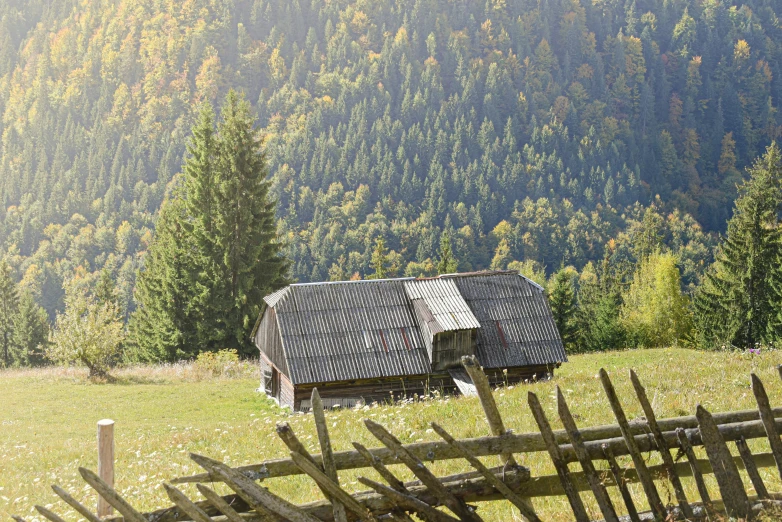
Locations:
{"points": [[595, 483], [408, 502], [767, 416], [555, 454], [50, 515], [647, 481], [621, 484], [111, 496], [327, 455], [508, 443], [256, 497], [455, 504], [752, 469], [220, 504], [186, 505], [693, 461], [521, 503], [335, 492], [662, 445], [725, 470], [75, 504]]}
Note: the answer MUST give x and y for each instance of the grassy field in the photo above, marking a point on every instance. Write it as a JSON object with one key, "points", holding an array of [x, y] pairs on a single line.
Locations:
{"points": [[47, 423]]}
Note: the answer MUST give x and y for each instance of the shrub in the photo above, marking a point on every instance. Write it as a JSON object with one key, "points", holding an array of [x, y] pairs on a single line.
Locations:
{"points": [[217, 364]]}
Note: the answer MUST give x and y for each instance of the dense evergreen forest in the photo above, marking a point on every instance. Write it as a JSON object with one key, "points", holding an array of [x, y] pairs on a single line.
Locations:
{"points": [[531, 134]]}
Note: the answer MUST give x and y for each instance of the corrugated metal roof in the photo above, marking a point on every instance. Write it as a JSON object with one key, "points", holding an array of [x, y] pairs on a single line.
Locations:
{"points": [[368, 329], [445, 304], [517, 328], [337, 332]]}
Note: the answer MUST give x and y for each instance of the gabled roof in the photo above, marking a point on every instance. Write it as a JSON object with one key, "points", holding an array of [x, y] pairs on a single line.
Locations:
{"points": [[342, 331], [441, 305]]}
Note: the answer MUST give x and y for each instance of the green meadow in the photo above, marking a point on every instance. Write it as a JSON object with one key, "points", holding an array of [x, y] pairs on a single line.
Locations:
{"points": [[48, 423]]}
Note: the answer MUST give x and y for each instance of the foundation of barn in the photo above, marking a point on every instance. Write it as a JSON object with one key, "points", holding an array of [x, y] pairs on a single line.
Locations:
{"points": [[347, 394]]}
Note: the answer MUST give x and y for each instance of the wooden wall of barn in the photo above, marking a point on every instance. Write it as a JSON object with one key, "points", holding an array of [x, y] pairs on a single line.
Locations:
{"points": [[269, 342], [449, 347], [348, 393]]}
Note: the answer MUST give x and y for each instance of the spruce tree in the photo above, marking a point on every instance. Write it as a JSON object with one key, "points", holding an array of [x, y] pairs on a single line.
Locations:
{"points": [[561, 296], [9, 301], [164, 325], [245, 226], [739, 301], [31, 332]]}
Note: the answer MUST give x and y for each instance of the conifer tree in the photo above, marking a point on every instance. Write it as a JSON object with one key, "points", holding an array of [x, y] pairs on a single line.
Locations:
{"points": [[31, 332], [447, 264], [739, 301], [9, 301], [245, 225], [561, 297]]}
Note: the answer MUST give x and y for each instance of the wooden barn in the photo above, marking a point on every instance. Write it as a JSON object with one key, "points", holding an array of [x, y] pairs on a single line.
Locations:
{"points": [[374, 340]]}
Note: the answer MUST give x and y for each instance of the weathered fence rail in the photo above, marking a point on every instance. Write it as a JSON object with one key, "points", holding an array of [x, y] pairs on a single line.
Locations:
{"points": [[443, 499]]}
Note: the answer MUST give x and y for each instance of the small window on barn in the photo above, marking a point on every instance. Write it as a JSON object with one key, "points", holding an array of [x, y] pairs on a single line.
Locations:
{"points": [[267, 380], [405, 338], [367, 340]]}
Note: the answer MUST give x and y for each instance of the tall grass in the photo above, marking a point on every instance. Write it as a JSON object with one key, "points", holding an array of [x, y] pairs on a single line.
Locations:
{"points": [[47, 423]]}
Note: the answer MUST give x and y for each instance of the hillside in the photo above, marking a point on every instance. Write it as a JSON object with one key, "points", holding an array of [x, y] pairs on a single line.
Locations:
{"points": [[161, 416], [526, 130]]}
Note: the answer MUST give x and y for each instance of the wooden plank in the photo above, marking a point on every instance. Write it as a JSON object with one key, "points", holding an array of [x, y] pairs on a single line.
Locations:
{"points": [[186, 505], [463, 382], [621, 484], [725, 470], [686, 447], [327, 455], [458, 506], [647, 481], [767, 417], [111, 496], [75, 504], [50, 515], [662, 445], [576, 503], [488, 403], [408, 502], [595, 483], [285, 432], [105, 461], [335, 492], [220, 504], [382, 470], [18, 518], [521, 503], [752, 469], [493, 445], [256, 497]]}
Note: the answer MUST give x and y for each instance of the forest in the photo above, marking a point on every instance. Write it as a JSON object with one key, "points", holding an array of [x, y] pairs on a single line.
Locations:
{"points": [[547, 136]]}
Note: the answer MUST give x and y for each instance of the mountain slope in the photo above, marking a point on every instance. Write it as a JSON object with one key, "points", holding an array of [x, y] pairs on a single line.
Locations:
{"points": [[525, 129]]}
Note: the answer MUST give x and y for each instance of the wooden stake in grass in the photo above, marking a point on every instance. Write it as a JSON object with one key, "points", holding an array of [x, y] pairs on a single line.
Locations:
{"points": [[50, 515], [105, 462]]}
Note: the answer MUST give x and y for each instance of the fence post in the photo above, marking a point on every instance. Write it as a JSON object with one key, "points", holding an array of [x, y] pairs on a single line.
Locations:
{"points": [[105, 462]]}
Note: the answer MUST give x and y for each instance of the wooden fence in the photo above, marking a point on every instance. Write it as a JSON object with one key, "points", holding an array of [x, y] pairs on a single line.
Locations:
{"points": [[456, 497]]}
